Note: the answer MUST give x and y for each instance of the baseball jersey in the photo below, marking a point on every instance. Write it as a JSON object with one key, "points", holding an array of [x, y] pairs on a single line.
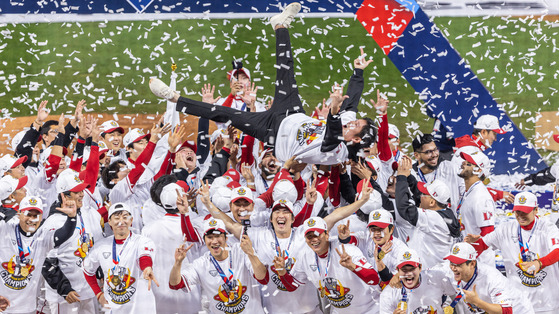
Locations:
{"points": [[243, 296], [20, 279], [275, 297], [493, 287], [123, 284], [300, 135], [447, 171], [72, 253], [167, 236], [543, 238], [431, 238], [134, 197], [476, 209], [425, 298], [38, 185], [345, 291]]}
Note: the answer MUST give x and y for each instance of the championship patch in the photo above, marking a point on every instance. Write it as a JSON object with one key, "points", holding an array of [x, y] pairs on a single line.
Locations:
{"points": [[15, 274], [231, 300], [119, 285], [337, 294]]}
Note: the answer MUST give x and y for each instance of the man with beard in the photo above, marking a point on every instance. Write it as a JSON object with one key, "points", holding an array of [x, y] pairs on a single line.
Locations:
{"points": [[476, 208], [23, 250], [530, 249], [481, 288], [414, 290]]}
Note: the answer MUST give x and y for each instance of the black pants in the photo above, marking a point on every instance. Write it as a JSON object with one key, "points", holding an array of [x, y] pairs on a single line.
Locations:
{"points": [[260, 125]]}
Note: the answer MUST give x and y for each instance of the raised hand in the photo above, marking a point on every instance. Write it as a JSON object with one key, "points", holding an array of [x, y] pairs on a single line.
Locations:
{"points": [[246, 245], [345, 259], [42, 112], [520, 185], [404, 166], [366, 192], [337, 99], [149, 276], [180, 252], [68, 206], [472, 238], [230, 137], [279, 264], [204, 192], [95, 131], [182, 203], [249, 96], [78, 113], [246, 172], [360, 62], [343, 231], [159, 130], [361, 170], [208, 94], [471, 296], [61, 124], [269, 104], [176, 136], [86, 126], [310, 194], [381, 105], [322, 113]]}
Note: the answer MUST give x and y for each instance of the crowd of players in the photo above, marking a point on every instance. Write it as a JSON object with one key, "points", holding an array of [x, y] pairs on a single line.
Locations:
{"points": [[274, 212]]}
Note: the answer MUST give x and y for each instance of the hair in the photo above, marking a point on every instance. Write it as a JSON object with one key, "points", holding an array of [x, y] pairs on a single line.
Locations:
{"points": [[476, 132], [157, 187], [368, 133], [67, 193], [441, 205], [111, 172], [421, 140], [46, 126]]}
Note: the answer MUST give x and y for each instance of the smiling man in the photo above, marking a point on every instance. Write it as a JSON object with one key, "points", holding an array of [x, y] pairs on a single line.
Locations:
{"points": [[530, 249]]}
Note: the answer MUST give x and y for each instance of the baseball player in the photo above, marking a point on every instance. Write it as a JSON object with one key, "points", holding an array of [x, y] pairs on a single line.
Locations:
{"points": [[126, 260], [530, 249]]}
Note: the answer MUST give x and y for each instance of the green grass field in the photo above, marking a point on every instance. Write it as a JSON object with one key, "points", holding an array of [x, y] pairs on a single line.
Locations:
{"points": [[108, 63]]}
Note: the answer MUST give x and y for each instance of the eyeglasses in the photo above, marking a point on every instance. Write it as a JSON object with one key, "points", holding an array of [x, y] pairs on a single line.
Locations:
{"points": [[430, 152]]}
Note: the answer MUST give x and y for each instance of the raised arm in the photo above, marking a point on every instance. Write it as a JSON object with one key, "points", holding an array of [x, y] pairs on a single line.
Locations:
{"points": [[344, 212], [232, 226], [405, 207], [260, 270]]}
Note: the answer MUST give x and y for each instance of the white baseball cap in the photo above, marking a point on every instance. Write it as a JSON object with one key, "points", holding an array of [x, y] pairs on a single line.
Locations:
{"points": [[9, 185], [111, 126], [314, 224], [479, 159], [241, 193], [374, 163], [489, 122], [17, 139], [525, 202], [233, 73], [436, 189], [380, 218], [285, 189], [168, 194], [461, 252], [8, 162], [283, 203], [393, 131], [212, 225], [408, 257], [375, 199], [31, 202], [222, 198], [134, 136], [117, 207], [188, 144], [44, 156], [69, 181]]}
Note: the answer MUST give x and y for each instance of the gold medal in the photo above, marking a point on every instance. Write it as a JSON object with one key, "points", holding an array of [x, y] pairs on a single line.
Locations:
{"points": [[85, 247], [448, 310], [24, 271], [381, 255], [402, 305]]}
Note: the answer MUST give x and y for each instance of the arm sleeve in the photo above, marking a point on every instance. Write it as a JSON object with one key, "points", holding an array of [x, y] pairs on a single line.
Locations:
{"points": [[346, 188], [55, 278], [322, 183], [551, 258], [77, 155], [166, 166], [91, 171], [541, 177], [354, 91], [364, 270], [289, 282], [69, 134], [333, 135], [334, 186], [303, 215], [496, 194], [383, 147], [140, 164], [300, 186], [28, 142], [218, 166], [203, 139], [64, 233], [405, 207], [188, 229], [246, 150], [92, 282]]}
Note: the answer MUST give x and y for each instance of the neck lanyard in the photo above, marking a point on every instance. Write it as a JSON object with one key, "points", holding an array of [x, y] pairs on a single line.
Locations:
{"points": [[116, 258], [278, 248], [524, 247], [227, 280], [265, 183], [22, 255], [466, 287], [405, 290], [464, 196], [82, 229], [422, 176], [327, 262]]}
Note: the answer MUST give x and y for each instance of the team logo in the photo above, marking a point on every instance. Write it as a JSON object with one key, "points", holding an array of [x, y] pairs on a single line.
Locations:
{"points": [[77, 179], [407, 256], [335, 292], [119, 285], [102, 145], [16, 274], [311, 222], [231, 298], [33, 201], [434, 194], [424, 310], [522, 200], [376, 216], [455, 250], [141, 132], [85, 243], [113, 123], [289, 263], [241, 191], [308, 132], [213, 223]]}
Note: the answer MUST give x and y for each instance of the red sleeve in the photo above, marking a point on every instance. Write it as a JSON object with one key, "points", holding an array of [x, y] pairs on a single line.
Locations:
{"points": [[104, 213], [506, 309], [145, 262], [334, 186], [289, 282], [166, 166], [92, 281], [486, 230], [91, 172], [246, 150], [303, 215], [140, 164], [322, 183], [495, 194], [300, 186], [384, 152], [480, 247], [464, 140], [265, 280], [179, 286], [368, 275], [52, 167], [267, 196], [76, 163], [188, 229], [228, 101], [550, 259]]}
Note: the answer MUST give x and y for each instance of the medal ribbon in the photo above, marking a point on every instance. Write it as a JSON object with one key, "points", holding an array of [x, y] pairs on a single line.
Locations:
{"points": [[22, 254], [462, 199], [422, 176], [327, 262], [524, 247], [466, 287], [227, 280], [278, 248], [116, 258], [82, 229]]}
